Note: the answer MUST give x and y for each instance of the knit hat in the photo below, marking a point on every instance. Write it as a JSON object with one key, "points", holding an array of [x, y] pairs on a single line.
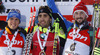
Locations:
{"points": [[14, 13], [80, 7], [45, 9]]}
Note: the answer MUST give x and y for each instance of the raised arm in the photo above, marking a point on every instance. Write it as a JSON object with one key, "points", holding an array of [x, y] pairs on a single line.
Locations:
{"points": [[52, 5]]}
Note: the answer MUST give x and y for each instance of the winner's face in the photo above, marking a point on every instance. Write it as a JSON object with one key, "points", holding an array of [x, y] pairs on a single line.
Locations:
{"points": [[13, 23], [44, 20], [79, 17]]}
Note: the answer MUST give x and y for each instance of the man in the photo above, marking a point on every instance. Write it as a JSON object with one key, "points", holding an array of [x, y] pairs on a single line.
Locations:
{"points": [[79, 34], [11, 38], [44, 33]]}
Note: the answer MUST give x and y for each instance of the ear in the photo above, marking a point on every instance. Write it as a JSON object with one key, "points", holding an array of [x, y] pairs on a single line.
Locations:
{"points": [[19, 21]]}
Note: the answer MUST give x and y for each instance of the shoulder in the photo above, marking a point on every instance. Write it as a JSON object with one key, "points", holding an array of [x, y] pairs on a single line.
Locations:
{"points": [[22, 30], [91, 31], [35, 27], [1, 32], [22, 35], [91, 28]]}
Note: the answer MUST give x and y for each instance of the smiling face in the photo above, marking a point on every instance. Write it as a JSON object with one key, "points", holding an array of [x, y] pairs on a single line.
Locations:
{"points": [[44, 20], [13, 23], [79, 17]]}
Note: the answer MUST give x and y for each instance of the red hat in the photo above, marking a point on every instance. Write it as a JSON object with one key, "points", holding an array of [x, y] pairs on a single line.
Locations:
{"points": [[80, 7]]}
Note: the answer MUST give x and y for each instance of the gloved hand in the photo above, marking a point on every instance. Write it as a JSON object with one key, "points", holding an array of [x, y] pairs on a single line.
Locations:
{"points": [[3, 24]]}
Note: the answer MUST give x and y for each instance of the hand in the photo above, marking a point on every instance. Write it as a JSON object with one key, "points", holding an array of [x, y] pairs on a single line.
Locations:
{"points": [[3, 24]]}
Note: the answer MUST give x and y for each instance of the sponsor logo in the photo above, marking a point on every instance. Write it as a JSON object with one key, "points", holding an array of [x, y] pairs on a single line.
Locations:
{"points": [[79, 36], [16, 42], [71, 53]]}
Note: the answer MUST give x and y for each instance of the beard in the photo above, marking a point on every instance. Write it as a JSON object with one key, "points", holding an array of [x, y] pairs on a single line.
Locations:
{"points": [[79, 23]]}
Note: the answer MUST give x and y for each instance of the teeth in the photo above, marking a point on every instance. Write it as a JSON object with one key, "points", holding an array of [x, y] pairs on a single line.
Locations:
{"points": [[13, 24], [42, 22]]}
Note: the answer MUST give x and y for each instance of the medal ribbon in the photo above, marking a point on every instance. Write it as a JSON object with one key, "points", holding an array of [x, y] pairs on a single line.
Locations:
{"points": [[76, 33], [10, 43], [44, 42]]}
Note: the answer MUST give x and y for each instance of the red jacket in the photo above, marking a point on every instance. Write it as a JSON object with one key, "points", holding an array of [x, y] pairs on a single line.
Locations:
{"points": [[49, 44]]}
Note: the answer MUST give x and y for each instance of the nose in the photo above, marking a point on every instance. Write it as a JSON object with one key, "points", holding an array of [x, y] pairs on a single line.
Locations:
{"points": [[13, 21], [42, 17], [79, 15]]}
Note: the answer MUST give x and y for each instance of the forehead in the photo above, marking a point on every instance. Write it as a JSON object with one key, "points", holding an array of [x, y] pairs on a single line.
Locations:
{"points": [[13, 18], [43, 14], [79, 11]]}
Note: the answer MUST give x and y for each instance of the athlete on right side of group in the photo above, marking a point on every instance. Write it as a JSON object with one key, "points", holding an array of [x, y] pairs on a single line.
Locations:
{"points": [[79, 40]]}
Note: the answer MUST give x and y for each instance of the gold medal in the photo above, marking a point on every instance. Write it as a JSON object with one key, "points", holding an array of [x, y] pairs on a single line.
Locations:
{"points": [[42, 53]]}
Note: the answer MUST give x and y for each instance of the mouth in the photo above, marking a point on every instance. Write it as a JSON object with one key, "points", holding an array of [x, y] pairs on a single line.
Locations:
{"points": [[13, 25], [42, 22], [79, 18], [79, 21]]}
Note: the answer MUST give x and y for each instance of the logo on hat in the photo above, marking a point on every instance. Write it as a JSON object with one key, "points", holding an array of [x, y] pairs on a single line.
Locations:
{"points": [[41, 10]]}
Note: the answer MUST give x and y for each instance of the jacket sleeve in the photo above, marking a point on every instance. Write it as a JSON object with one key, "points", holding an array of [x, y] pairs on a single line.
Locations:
{"points": [[54, 9]]}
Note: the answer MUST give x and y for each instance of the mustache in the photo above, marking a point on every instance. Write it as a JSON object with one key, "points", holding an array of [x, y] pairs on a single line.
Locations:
{"points": [[42, 21], [79, 18]]}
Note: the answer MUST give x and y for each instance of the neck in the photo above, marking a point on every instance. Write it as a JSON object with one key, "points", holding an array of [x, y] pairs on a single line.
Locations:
{"points": [[12, 30]]}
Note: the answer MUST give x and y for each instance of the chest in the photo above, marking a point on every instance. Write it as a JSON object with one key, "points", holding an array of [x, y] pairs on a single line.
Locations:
{"points": [[82, 36], [49, 41], [18, 41]]}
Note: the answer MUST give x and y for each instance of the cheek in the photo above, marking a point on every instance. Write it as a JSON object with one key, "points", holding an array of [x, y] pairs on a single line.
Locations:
{"points": [[18, 22], [39, 19], [9, 22], [47, 20], [75, 17]]}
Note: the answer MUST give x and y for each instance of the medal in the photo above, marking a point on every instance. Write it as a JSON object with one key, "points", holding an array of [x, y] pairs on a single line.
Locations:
{"points": [[72, 47], [75, 33], [10, 43], [42, 53], [43, 35], [8, 53]]}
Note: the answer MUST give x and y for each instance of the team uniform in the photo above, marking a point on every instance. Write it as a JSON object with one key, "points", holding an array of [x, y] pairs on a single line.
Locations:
{"points": [[48, 49], [16, 44], [81, 44]]}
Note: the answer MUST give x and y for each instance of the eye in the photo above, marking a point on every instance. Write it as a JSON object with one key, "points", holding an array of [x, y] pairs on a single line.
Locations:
{"points": [[45, 15], [76, 13], [16, 19], [11, 19], [81, 12], [39, 16]]}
